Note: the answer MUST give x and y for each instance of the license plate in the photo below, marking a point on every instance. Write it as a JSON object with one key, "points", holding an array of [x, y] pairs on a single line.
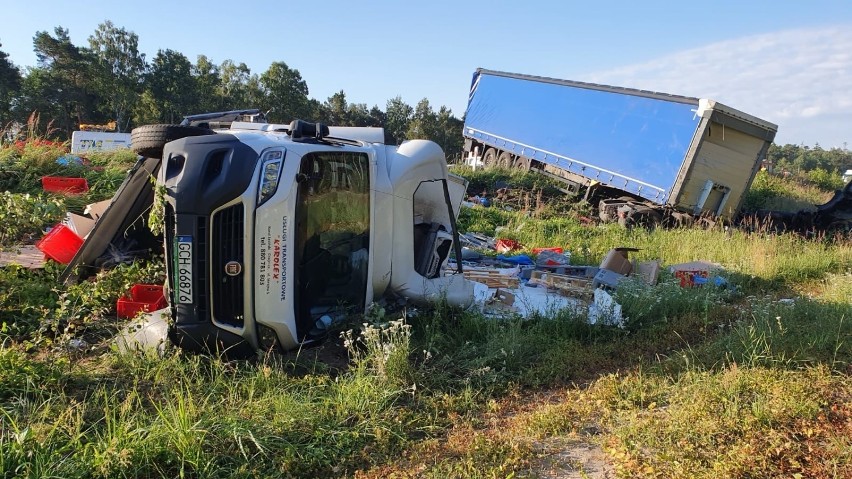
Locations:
{"points": [[183, 269]]}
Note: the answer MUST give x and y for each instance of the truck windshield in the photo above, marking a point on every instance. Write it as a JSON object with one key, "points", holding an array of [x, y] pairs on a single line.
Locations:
{"points": [[332, 236]]}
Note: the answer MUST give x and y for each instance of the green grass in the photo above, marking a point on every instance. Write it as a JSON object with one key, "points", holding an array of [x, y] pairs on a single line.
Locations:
{"points": [[770, 258], [701, 382], [776, 193]]}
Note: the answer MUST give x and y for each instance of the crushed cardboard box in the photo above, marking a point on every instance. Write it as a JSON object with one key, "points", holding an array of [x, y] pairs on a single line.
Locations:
{"points": [[616, 260]]}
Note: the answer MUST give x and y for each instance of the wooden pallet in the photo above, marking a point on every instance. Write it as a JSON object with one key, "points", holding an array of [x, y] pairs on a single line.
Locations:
{"points": [[565, 285], [492, 278]]}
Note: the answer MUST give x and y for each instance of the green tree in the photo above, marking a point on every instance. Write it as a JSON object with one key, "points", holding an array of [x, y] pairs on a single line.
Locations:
{"points": [[234, 85], [335, 110], [208, 81], [120, 70], [59, 88], [285, 93], [424, 122], [255, 94], [357, 114], [377, 116], [397, 117], [449, 133], [10, 84], [170, 84]]}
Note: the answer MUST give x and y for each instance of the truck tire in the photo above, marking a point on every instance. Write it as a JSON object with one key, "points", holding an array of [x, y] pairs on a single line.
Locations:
{"points": [[504, 160], [148, 140], [489, 159], [521, 163]]}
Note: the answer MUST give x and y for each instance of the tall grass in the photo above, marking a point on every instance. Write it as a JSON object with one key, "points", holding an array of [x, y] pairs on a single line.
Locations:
{"points": [[702, 382], [776, 193], [771, 257], [196, 417]]}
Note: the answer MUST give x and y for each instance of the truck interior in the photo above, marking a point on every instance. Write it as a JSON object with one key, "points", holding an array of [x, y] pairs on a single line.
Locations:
{"points": [[332, 236]]}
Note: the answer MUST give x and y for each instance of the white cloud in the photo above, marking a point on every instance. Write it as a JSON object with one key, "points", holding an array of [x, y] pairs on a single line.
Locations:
{"points": [[799, 79]]}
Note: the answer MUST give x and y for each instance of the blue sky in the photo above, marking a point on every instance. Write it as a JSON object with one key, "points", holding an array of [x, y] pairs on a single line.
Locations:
{"points": [[789, 62]]}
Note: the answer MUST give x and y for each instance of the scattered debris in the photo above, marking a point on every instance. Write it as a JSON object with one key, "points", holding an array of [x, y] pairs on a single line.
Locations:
{"points": [[604, 310], [141, 297], [505, 245], [697, 273], [27, 256], [520, 259], [608, 279], [493, 278], [64, 240], [649, 271], [551, 257], [616, 261], [562, 284], [148, 333], [77, 345]]}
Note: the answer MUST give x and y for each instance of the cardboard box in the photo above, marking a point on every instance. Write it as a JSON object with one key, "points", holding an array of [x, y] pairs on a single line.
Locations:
{"points": [[649, 271], [616, 261], [607, 278], [79, 224], [95, 210]]}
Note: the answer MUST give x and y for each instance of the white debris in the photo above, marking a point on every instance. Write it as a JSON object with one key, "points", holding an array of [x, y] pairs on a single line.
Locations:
{"points": [[604, 310], [147, 333], [527, 301]]}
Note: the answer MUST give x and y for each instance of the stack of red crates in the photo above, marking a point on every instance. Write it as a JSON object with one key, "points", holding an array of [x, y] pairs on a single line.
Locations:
{"points": [[142, 297]]}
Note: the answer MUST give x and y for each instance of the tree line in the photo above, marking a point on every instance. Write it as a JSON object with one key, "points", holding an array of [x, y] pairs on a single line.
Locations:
{"points": [[798, 159], [111, 80]]}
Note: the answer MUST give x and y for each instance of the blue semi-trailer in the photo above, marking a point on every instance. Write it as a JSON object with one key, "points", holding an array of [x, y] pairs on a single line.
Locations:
{"points": [[658, 153]]}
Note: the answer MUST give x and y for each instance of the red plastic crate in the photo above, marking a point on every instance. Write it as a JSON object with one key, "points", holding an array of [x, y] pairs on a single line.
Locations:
{"points": [[66, 185], [60, 244], [687, 277], [142, 297], [554, 249]]}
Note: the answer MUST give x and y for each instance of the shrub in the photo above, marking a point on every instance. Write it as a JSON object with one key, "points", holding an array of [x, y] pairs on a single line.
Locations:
{"points": [[825, 179], [24, 216]]}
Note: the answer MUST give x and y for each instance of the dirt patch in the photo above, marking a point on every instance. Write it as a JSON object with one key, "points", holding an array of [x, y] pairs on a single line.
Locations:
{"points": [[563, 458]]}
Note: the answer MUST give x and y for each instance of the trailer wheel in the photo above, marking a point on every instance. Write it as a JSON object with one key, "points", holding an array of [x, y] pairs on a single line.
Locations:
{"points": [[504, 160], [489, 159], [638, 215], [521, 163], [148, 140]]}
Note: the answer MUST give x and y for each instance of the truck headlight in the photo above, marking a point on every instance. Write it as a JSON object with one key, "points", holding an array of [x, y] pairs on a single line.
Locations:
{"points": [[270, 172]]}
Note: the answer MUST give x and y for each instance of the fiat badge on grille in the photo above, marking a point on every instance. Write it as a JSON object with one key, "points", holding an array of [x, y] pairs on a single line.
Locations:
{"points": [[233, 268]]}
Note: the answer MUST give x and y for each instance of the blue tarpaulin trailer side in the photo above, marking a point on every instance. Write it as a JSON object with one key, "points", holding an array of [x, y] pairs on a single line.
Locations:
{"points": [[639, 142]]}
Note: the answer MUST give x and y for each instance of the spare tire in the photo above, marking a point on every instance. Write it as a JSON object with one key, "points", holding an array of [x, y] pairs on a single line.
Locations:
{"points": [[148, 140]]}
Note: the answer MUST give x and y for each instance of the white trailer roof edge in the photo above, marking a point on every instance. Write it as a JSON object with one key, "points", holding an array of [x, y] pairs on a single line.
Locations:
{"points": [[595, 86], [706, 107]]}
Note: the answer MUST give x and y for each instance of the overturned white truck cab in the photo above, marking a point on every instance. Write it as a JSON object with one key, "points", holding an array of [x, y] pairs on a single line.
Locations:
{"points": [[271, 228]]}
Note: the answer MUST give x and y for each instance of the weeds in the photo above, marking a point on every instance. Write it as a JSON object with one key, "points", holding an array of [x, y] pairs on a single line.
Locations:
{"points": [[703, 382], [83, 309], [23, 217]]}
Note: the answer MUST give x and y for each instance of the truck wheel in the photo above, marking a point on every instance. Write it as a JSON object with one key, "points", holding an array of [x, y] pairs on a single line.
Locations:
{"points": [[148, 140], [521, 163], [504, 160], [489, 159]]}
